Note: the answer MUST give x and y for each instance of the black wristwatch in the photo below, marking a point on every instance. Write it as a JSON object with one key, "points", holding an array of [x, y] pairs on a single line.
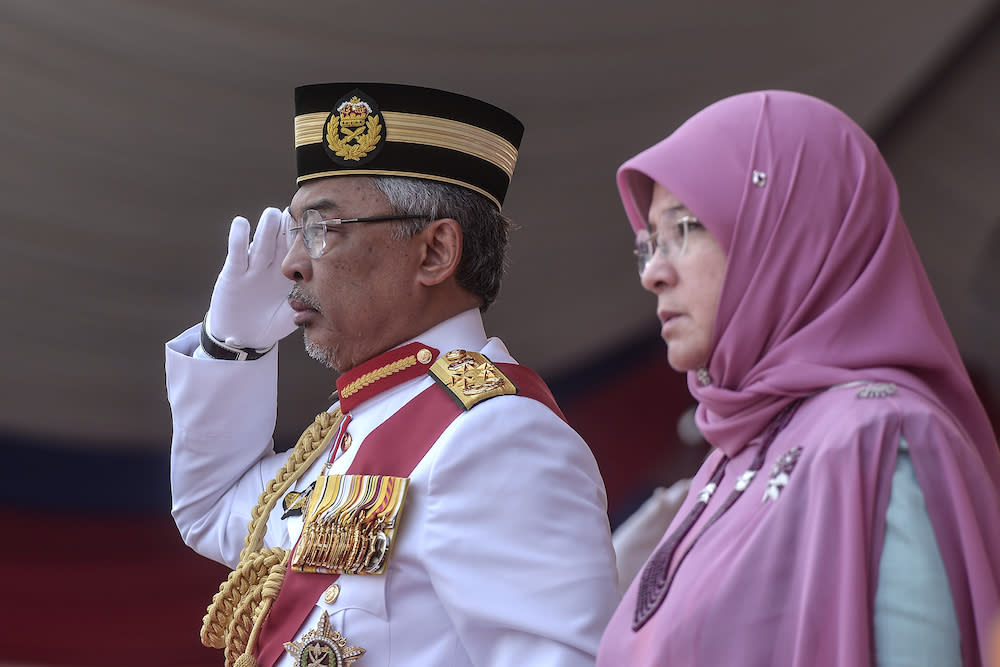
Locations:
{"points": [[216, 349]]}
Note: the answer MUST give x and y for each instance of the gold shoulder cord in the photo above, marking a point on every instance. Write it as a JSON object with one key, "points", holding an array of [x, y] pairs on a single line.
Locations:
{"points": [[239, 608]]}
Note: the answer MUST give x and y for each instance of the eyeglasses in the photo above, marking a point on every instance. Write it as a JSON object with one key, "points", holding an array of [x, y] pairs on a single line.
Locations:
{"points": [[314, 229], [672, 243]]}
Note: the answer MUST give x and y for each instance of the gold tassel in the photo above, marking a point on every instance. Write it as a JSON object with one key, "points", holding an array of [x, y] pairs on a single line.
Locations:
{"points": [[245, 660], [238, 610]]}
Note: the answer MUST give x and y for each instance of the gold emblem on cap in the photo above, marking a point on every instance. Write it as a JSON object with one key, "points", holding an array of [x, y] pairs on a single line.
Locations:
{"points": [[353, 130], [323, 647]]}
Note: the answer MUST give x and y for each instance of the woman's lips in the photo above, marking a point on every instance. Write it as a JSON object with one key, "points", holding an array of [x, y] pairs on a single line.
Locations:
{"points": [[667, 320], [666, 315]]}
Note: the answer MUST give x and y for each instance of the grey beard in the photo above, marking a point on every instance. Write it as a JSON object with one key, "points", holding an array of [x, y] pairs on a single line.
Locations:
{"points": [[321, 354]]}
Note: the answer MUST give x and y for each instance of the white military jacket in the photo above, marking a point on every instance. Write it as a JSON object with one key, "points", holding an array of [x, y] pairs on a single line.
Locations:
{"points": [[503, 555]]}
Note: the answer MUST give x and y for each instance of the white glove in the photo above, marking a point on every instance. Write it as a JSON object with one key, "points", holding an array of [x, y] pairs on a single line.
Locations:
{"points": [[636, 538], [250, 302]]}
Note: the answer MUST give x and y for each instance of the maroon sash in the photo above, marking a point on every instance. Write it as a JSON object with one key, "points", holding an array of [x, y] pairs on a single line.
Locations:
{"points": [[394, 448]]}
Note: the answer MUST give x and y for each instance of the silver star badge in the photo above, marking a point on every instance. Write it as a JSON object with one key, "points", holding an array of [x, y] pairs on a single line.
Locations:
{"points": [[322, 648]]}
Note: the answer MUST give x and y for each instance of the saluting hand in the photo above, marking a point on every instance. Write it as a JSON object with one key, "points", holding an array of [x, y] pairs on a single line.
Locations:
{"points": [[250, 302]]}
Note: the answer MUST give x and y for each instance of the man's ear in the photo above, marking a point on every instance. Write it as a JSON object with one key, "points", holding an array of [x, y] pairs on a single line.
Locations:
{"points": [[442, 250]]}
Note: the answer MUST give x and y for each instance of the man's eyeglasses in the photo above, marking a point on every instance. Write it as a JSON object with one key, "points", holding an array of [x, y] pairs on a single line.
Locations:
{"points": [[314, 229], [671, 241]]}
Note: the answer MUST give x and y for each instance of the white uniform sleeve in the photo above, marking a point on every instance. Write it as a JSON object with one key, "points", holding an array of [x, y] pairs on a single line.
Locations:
{"points": [[517, 542], [637, 536], [221, 453]]}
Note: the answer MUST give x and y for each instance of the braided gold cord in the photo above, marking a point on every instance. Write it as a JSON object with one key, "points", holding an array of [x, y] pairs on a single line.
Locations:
{"points": [[242, 624], [239, 608], [240, 583], [250, 614], [309, 448], [269, 593]]}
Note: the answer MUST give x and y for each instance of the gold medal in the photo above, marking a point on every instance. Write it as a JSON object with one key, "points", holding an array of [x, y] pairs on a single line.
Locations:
{"points": [[349, 524], [322, 648]]}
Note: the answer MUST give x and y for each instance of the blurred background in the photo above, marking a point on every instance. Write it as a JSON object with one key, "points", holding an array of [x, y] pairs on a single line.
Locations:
{"points": [[132, 131]]}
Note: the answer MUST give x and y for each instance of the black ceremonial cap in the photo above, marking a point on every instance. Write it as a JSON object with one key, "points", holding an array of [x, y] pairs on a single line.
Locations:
{"points": [[388, 129]]}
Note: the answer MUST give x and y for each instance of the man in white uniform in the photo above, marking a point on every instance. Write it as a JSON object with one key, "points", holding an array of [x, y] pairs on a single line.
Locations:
{"points": [[441, 512]]}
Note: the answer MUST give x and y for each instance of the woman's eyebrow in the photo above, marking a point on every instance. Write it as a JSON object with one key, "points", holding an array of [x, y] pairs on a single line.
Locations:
{"points": [[673, 210]]}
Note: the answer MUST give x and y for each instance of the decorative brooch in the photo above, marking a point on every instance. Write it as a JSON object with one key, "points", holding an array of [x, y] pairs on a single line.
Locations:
{"points": [[322, 647]]}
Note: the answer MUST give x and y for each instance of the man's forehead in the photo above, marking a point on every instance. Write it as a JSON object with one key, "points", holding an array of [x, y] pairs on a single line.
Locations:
{"points": [[341, 195], [322, 204]]}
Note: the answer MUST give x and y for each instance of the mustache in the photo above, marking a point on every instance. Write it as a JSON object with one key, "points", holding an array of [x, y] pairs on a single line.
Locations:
{"points": [[300, 295]]}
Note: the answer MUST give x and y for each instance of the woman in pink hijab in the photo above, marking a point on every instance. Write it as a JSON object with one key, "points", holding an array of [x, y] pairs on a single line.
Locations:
{"points": [[849, 513]]}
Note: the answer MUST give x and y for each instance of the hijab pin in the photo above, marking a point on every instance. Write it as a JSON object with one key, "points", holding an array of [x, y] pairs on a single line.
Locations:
{"points": [[759, 178], [704, 379]]}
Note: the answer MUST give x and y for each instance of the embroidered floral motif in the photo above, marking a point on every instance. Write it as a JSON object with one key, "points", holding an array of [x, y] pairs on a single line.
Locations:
{"points": [[780, 473], [654, 581], [706, 494], [744, 481]]}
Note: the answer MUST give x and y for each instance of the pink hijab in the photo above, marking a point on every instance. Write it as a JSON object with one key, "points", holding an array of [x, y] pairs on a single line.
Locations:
{"points": [[823, 286]]}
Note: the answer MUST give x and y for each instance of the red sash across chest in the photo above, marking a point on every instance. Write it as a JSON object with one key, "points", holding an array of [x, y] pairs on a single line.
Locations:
{"points": [[394, 448]]}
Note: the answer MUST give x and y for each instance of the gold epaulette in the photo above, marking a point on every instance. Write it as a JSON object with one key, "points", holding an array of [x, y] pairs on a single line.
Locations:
{"points": [[470, 377]]}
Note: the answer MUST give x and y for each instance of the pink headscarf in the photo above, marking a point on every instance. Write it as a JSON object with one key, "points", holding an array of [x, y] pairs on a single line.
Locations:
{"points": [[823, 286]]}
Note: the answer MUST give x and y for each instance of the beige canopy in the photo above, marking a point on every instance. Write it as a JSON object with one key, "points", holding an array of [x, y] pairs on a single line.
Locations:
{"points": [[133, 130]]}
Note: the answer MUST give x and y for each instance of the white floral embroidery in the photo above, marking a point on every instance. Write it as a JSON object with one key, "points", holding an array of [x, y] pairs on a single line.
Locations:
{"points": [[780, 473]]}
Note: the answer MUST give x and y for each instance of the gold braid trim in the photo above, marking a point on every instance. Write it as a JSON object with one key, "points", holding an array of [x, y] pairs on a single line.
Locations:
{"points": [[238, 610], [378, 374]]}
